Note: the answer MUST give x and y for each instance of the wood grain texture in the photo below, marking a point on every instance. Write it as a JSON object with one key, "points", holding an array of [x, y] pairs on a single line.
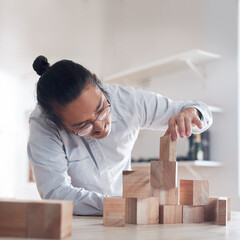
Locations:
{"points": [[169, 196], [193, 214], [194, 192], [170, 214], [136, 184], [36, 219], [163, 174], [168, 149], [221, 217], [210, 210], [114, 212], [54, 219], [13, 218], [142, 210], [228, 209]]}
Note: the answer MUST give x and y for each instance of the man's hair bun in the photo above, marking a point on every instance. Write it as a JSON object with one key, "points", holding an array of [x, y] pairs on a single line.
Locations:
{"points": [[41, 65]]}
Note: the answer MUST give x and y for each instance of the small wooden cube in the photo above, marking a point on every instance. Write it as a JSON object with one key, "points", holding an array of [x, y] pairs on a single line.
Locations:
{"points": [[136, 184], [193, 214], [142, 210], [13, 218], [228, 208], [54, 219], [114, 212], [168, 149], [221, 217], [163, 174], [210, 210], [169, 196], [194, 192], [215, 210], [170, 214]]}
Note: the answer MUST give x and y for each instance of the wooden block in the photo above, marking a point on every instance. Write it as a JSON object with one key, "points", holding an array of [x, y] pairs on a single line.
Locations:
{"points": [[169, 196], [170, 214], [228, 209], [37, 219], [210, 210], [213, 212], [221, 217], [13, 218], [114, 212], [136, 184], [142, 210], [49, 219], [168, 149], [163, 174], [194, 192], [193, 214]]}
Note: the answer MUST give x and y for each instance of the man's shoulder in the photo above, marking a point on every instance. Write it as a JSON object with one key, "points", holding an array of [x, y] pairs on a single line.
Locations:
{"points": [[117, 91]]}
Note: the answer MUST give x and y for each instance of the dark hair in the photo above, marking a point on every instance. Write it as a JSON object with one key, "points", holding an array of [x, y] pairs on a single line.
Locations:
{"points": [[60, 84]]}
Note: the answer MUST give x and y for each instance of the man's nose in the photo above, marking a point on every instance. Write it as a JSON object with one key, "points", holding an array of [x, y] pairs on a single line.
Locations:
{"points": [[98, 126]]}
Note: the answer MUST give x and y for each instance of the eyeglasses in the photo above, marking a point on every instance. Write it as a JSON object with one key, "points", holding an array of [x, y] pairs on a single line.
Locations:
{"points": [[102, 115]]}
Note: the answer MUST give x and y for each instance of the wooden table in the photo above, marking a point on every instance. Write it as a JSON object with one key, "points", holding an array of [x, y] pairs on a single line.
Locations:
{"points": [[92, 228]]}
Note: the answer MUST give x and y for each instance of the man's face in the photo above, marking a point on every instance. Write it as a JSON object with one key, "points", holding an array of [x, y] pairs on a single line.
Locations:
{"points": [[85, 110]]}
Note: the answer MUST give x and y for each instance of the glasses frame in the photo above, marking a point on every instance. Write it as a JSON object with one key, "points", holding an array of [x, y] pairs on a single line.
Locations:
{"points": [[91, 123]]}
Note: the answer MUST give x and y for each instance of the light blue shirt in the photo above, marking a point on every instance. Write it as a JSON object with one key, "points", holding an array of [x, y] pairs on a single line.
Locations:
{"points": [[84, 170]]}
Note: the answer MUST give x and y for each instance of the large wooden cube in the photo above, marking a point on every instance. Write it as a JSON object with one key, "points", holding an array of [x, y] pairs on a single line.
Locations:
{"points": [[142, 210], [36, 219], [49, 219], [194, 192], [163, 174], [136, 184], [170, 214], [13, 219], [193, 214], [114, 212], [168, 197]]}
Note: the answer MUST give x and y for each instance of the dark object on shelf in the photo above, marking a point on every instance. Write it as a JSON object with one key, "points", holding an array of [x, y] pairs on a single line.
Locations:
{"points": [[142, 160], [206, 144], [199, 146], [195, 147]]}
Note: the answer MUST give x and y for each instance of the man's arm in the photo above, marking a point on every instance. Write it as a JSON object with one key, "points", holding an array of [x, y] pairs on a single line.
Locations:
{"points": [[182, 117], [47, 156]]}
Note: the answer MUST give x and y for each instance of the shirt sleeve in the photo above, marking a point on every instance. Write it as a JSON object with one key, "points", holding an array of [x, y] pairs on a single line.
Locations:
{"points": [[47, 156], [155, 110]]}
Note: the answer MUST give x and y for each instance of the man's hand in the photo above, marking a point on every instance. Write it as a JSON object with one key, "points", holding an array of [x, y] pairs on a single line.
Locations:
{"points": [[182, 123]]}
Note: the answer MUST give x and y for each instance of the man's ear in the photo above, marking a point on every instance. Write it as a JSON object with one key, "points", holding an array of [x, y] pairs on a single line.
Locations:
{"points": [[95, 76]]}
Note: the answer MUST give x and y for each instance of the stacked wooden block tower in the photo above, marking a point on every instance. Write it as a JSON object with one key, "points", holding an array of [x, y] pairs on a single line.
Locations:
{"points": [[151, 196]]}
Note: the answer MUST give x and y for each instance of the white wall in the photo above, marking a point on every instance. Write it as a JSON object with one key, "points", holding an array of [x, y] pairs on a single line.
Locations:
{"points": [[144, 31]]}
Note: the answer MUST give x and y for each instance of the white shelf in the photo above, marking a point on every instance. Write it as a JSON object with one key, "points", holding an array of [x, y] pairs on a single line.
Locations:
{"points": [[185, 164], [216, 109], [191, 59], [199, 164]]}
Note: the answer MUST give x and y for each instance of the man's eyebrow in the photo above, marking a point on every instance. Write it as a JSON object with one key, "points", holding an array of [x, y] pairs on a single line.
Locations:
{"points": [[98, 106]]}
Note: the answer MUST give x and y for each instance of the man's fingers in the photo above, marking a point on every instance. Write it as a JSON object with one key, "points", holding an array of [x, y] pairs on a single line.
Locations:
{"points": [[181, 126], [167, 133], [197, 122], [188, 127]]}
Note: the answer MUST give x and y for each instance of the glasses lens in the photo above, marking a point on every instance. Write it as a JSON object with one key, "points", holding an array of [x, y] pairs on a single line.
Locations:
{"points": [[84, 131], [104, 114]]}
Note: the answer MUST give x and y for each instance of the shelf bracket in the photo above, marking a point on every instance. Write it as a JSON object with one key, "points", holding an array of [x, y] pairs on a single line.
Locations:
{"points": [[195, 69]]}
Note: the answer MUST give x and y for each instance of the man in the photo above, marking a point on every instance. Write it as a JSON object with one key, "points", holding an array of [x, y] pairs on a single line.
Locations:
{"points": [[82, 132]]}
